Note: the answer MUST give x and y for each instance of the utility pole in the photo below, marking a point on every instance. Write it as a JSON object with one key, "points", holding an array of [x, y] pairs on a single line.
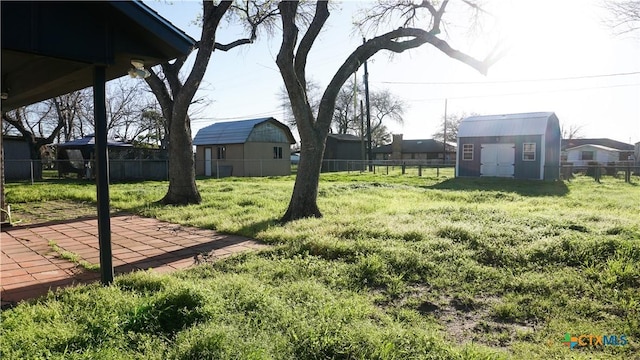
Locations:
{"points": [[444, 138], [366, 99], [362, 147]]}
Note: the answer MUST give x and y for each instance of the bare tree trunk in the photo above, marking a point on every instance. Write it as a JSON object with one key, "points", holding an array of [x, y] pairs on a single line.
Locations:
{"points": [[304, 200], [182, 185], [175, 97]]}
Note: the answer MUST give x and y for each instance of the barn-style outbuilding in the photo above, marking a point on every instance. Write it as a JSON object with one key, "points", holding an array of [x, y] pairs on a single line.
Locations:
{"points": [[254, 147], [520, 146]]}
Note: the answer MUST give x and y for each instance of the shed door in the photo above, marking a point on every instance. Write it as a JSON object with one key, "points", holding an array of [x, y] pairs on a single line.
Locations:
{"points": [[207, 161], [497, 160]]}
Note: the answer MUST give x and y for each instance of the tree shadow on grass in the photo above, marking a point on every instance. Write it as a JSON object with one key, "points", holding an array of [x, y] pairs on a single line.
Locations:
{"points": [[520, 187], [251, 230]]}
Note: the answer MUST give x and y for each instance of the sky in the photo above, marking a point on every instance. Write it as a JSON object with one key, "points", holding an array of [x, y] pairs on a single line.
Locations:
{"points": [[562, 57]]}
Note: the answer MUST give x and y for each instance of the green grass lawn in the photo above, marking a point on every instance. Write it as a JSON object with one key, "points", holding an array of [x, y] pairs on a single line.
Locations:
{"points": [[400, 267]]}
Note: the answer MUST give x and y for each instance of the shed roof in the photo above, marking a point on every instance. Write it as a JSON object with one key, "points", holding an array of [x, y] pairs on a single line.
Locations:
{"points": [[534, 123], [235, 132]]}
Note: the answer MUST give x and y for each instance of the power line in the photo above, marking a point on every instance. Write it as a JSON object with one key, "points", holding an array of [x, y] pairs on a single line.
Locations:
{"points": [[251, 116], [509, 81], [524, 93]]}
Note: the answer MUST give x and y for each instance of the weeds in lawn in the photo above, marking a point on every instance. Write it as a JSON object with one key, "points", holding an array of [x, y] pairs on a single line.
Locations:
{"points": [[73, 257], [399, 267]]}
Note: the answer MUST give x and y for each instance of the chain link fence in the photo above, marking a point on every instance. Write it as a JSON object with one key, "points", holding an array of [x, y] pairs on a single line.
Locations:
{"points": [[154, 169], [119, 169]]}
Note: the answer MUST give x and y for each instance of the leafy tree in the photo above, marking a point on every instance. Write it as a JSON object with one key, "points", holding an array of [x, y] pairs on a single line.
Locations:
{"points": [[380, 136], [175, 95], [292, 60], [152, 128]]}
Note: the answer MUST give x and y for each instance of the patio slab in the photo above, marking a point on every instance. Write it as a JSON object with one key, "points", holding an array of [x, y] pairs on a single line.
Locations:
{"points": [[30, 267]]}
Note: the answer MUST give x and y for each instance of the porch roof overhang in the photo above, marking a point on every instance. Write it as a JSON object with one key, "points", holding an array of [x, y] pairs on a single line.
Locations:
{"points": [[50, 48]]}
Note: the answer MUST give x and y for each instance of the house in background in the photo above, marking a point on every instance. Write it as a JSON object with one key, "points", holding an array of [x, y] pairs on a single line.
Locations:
{"points": [[583, 155], [342, 152], [520, 146], [254, 147], [422, 149], [602, 150]]}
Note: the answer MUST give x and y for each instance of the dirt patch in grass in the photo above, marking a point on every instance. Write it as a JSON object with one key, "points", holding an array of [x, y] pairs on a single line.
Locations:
{"points": [[473, 323], [466, 319], [48, 211]]}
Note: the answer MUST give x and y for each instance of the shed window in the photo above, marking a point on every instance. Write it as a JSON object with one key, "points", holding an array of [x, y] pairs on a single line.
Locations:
{"points": [[277, 152], [222, 152], [467, 151], [586, 155], [529, 151]]}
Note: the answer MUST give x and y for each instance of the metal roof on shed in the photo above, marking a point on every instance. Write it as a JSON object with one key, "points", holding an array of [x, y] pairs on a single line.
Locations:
{"points": [[234, 132], [505, 125]]}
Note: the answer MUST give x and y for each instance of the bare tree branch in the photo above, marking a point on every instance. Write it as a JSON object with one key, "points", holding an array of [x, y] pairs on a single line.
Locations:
{"points": [[625, 15], [319, 19], [292, 63], [233, 44], [391, 41], [161, 93]]}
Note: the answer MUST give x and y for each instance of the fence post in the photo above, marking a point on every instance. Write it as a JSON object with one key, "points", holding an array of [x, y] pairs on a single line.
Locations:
{"points": [[403, 168], [31, 165], [419, 169], [437, 171], [217, 169]]}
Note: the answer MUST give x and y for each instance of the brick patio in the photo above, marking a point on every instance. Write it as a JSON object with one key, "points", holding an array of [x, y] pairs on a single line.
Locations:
{"points": [[29, 266]]}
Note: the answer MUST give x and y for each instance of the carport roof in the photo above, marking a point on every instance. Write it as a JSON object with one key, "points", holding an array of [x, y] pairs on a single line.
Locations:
{"points": [[90, 141], [534, 123]]}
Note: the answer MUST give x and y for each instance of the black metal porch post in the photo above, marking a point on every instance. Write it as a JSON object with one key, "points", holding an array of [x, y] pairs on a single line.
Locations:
{"points": [[102, 175]]}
